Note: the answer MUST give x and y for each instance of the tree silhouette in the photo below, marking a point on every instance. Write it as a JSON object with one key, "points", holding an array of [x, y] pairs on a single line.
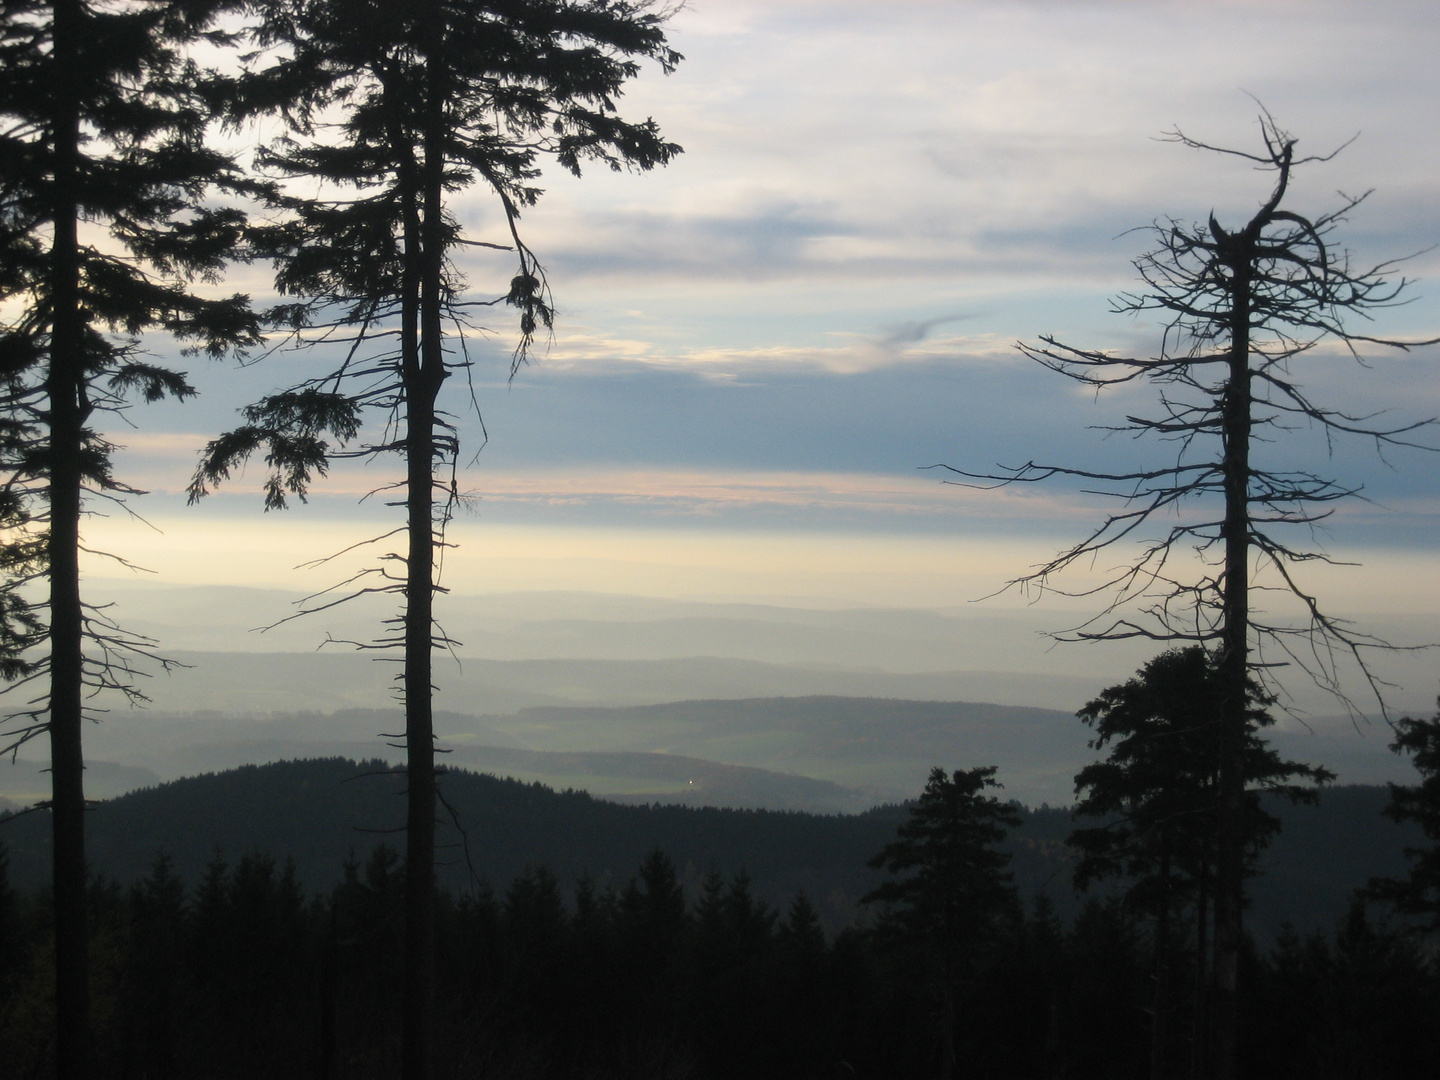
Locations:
{"points": [[433, 96], [1419, 893], [952, 884], [1156, 793], [105, 220], [1240, 307]]}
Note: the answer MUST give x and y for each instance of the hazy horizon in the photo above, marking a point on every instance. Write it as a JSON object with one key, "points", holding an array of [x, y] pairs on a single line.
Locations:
{"points": [[245, 697]]}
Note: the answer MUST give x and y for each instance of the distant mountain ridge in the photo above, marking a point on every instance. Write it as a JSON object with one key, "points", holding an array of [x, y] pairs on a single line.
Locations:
{"points": [[821, 753], [579, 648], [885, 744], [260, 682], [566, 626]]}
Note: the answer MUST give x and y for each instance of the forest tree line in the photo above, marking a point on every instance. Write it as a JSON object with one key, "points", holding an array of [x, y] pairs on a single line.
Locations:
{"points": [[946, 971], [246, 975]]}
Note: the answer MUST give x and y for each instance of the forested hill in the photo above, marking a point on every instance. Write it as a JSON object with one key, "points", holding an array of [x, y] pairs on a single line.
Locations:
{"points": [[318, 812]]}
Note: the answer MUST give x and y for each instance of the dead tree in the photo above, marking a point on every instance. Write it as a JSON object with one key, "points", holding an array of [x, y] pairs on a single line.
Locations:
{"points": [[1240, 307]]}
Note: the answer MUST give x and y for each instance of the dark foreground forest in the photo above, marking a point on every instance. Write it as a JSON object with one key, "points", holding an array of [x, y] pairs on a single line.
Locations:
{"points": [[236, 962], [243, 975]]}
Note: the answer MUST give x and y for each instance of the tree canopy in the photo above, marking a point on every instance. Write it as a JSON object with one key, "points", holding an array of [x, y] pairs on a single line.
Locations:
{"points": [[1157, 797], [1418, 894], [950, 885], [1156, 790]]}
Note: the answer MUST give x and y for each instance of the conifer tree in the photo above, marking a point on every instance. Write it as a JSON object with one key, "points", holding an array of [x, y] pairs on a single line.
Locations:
{"points": [[105, 221], [1418, 894], [1157, 795], [433, 97], [951, 885]]}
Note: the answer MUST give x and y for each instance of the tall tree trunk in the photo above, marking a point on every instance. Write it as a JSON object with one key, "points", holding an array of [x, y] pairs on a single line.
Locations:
{"points": [[1234, 662], [425, 372], [419, 393], [66, 420], [419, 733]]}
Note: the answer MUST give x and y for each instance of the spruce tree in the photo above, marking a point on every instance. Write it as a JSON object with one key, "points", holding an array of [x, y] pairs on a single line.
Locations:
{"points": [[950, 885], [1418, 894], [106, 179], [433, 97], [1156, 794]]}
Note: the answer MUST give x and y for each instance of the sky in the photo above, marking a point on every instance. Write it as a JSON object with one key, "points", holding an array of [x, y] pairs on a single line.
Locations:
{"points": [[761, 348]]}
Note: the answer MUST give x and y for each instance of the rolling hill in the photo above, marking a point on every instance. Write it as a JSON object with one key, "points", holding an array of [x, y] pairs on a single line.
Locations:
{"points": [[319, 812]]}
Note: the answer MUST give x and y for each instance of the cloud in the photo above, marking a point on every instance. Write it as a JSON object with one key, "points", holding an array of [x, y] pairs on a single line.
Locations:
{"points": [[913, 333], [846, 353], [855, 139], [797, 497]]}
